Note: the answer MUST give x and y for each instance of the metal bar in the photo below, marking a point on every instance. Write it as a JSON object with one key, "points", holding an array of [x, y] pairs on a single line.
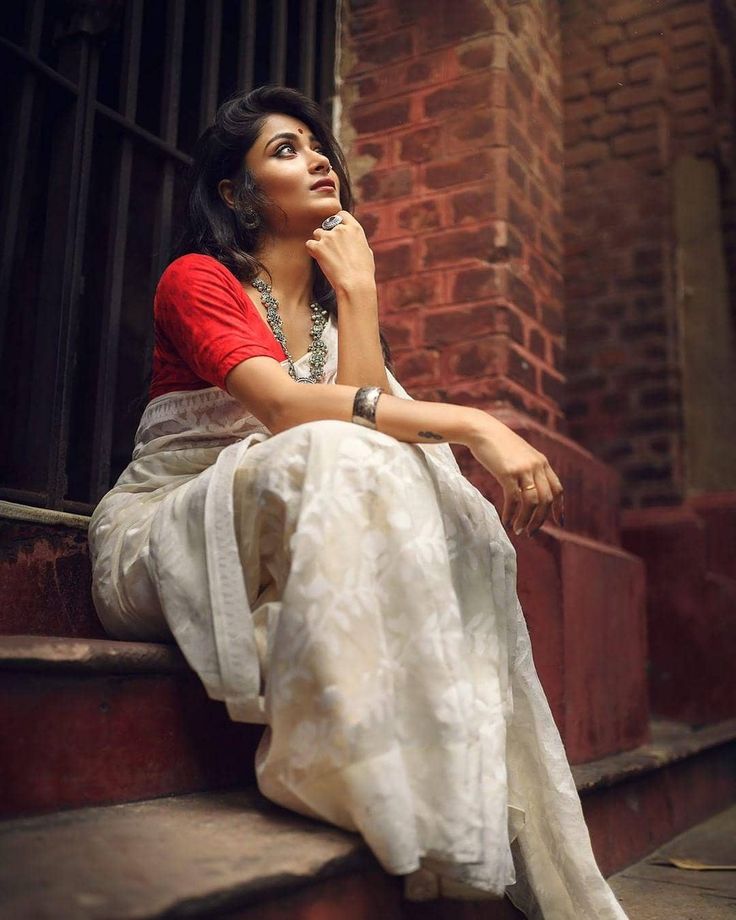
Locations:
{"points": [[38, 66], [141, 133], [279, 29], [307, 42], [210, 63], [17, 164], [72, 280], [327, 53], [246, 44], [24, 497], [170, 99], [112, 301], [170, 123]]}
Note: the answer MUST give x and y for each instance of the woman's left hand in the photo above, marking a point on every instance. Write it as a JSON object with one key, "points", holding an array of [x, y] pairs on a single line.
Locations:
{"points": [[343, 254]]}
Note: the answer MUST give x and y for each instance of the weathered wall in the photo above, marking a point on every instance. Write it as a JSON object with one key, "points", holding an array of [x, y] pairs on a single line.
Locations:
{"points": [[646, 84], [452, 122]]}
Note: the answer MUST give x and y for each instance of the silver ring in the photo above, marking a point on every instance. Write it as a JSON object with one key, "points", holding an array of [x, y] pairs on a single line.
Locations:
{"points": [[329, 222]]}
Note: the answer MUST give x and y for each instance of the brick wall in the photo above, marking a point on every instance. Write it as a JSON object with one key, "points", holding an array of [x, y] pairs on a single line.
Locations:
{"points": [[452, 125], [644, 83]]}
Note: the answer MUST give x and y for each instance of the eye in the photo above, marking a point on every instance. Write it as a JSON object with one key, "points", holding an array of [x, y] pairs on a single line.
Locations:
{"points": [[283, 147]]}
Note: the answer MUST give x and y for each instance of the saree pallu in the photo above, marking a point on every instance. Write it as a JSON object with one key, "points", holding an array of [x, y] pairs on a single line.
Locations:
{"points": [[357, 595]]}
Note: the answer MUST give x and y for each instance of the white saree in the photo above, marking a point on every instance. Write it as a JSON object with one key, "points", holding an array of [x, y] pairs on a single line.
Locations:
{"points": [[356, 594]]}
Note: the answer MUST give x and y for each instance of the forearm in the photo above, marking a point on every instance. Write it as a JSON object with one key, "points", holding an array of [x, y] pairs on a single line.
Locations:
{"points": [[410, 420], [360, 356]]}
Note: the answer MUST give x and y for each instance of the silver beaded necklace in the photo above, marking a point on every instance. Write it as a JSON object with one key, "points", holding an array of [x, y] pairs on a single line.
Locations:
{"points": [[317, 350]]}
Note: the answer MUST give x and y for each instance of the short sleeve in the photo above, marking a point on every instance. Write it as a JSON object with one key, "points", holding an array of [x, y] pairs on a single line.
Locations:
{"points": [[207, 319]]}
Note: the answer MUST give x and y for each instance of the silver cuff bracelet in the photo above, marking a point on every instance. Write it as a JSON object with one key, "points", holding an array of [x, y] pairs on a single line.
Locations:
{"points": [[364, 406]]}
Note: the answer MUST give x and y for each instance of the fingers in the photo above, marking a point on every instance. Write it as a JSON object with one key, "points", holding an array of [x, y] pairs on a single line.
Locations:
{"points": [[543, 493], [530, 497]]}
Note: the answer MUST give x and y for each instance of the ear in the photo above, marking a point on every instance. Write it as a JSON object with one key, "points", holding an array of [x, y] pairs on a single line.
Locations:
{"points": [[225, 188]]}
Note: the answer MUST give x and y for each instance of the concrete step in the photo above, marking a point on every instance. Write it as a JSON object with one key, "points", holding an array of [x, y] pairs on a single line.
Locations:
{"points": [[229, 855], [88, 721], [654, 890]]}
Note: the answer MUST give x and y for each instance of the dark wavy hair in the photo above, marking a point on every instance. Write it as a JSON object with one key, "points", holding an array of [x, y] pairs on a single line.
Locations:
{"points": [[232, 235]]}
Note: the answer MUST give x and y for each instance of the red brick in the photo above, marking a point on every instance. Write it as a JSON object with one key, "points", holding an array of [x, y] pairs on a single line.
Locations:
{"points": [[607, 125], [646, 25], [479, 126], [456, 171], [627, 9], [605, 35], [461, 95], [456, 245], [645, 116], [386, 184], [553, 386], [576, 88], [537, 343], [646, 68], [399, 330], [382, 117], [696, 101], [478, 56], [692, 78], [384, 50], [522, 295], [520, 76], [417, 366], [589, 152], [632, 142], [628, 97], [637, 48], [475, 204], [587, 62], [416, 291], [607, 78], [478, 284], [484, 358], [521, 369], [393, 262], [420, 216], [689, 35], [461, 324], [585, 108], [419, 145]]}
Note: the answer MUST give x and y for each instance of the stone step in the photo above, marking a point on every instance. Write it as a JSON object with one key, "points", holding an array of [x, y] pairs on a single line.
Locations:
{"points": [[45, 574], [235, 856], [88, 721], [655, 889]]}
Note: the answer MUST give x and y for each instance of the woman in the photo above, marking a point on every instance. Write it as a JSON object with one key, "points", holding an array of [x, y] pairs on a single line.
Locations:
{"points": [[317, 554]]}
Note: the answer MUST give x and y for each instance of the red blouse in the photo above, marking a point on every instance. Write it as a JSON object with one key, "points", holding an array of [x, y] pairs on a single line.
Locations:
{"points": [[204, 324]]}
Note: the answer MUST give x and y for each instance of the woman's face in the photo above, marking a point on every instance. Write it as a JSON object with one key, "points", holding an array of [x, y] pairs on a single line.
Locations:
{"points": [[287, 162]]}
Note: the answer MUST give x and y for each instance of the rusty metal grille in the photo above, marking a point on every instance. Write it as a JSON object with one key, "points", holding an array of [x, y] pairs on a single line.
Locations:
{"points": [[103, 102]]}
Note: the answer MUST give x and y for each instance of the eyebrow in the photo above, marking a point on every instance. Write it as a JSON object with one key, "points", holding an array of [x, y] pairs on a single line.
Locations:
{"points": [[286, 135]]}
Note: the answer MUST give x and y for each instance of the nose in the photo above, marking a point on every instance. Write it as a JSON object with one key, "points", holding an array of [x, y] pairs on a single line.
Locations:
{"points": [[321, 161]]}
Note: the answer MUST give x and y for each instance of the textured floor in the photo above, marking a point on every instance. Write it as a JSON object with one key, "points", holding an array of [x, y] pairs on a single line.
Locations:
{"points": [[659, 892]]}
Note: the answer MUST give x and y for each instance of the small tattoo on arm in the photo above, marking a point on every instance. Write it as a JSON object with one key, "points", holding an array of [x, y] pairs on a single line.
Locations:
{"points": [[431, 434]]}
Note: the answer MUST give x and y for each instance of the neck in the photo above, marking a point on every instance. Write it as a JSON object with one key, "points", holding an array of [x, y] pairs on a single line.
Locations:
{"points": [[291, 269]]}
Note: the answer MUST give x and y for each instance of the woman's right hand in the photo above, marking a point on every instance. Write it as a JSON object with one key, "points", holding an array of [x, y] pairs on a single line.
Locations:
{"points": [[516, 464]]}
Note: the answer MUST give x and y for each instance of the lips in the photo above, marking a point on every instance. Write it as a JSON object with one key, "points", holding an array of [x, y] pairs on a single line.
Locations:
{"points": [[324, 183]]}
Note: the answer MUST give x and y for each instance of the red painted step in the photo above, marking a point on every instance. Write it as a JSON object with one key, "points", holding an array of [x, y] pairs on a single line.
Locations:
{"points": [[85, 722], [45, 574]]}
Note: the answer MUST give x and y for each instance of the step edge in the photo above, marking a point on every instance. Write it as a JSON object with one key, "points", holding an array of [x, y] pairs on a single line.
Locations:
{"points": [[684, 742], [29, 514], [237, 895], [76, 655]]}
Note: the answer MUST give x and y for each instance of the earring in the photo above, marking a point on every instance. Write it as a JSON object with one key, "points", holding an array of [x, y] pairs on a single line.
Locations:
{"points": [[250, 219]]}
